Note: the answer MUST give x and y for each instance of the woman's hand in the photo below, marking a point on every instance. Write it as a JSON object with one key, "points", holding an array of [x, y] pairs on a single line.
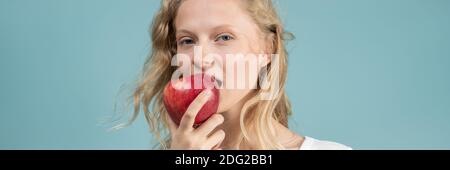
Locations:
{"points": [[187, 137]]}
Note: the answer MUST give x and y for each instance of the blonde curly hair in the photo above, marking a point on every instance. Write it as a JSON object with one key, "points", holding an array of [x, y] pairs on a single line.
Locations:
{"points": [[256, 115]]}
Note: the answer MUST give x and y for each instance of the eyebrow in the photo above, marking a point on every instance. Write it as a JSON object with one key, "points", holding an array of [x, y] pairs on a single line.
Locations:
{"points": [[220, 27], [184, 31], [224, 27]]}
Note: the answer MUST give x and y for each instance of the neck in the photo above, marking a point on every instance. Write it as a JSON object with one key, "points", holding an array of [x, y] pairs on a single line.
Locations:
{"points": [[231, 125], [232, 128], [233, 133]]}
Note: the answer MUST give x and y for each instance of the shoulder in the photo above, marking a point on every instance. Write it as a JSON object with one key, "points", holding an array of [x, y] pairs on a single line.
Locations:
{"points": [[315, 144]]}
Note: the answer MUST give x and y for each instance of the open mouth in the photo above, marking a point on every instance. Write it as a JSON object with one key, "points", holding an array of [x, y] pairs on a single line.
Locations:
{"points": [[218, 82]]}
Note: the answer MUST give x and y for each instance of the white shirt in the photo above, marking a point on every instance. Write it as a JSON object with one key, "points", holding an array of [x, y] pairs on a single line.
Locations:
{"points": [[314, 144]]}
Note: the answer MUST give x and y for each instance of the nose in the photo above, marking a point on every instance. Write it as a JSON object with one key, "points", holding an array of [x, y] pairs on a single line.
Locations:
{"points": [[202, 58]]}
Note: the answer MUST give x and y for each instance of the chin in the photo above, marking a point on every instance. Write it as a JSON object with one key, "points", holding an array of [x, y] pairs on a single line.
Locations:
{"points": [[221, 107]]}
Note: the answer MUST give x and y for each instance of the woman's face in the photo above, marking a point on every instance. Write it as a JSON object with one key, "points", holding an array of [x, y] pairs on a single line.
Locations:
{"points": [[221, 28]]}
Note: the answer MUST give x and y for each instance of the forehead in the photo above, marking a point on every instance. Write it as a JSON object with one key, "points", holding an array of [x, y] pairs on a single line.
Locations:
{"points": [[193, 14]]}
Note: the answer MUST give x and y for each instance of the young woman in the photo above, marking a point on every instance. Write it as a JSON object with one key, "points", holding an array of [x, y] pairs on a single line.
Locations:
{"points": [[244, 119]]}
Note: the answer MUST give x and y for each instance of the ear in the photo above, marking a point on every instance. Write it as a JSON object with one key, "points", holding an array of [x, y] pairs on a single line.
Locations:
{"points": [[269, 49], [271, 43]]}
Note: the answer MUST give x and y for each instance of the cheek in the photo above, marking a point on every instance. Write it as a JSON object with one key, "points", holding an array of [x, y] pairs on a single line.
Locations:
{"points": [[236, 78], [250, 70], [230, 98], [224, 101]]}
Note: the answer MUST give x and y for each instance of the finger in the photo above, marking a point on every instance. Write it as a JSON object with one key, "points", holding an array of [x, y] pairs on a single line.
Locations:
{"points": [[218, 146], [210, 124], [188, 119], [172, 125], [215, 139]]}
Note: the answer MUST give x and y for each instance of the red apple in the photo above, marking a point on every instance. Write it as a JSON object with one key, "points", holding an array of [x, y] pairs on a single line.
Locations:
{"points": [[177, 97]]}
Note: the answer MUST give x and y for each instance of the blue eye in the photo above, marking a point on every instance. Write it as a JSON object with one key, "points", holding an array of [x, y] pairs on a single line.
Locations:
{"points": [[186, 41], [224, 38]]}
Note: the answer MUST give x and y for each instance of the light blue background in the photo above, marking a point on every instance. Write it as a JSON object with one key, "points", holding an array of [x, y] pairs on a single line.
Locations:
{"points": [[372, 74]]}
